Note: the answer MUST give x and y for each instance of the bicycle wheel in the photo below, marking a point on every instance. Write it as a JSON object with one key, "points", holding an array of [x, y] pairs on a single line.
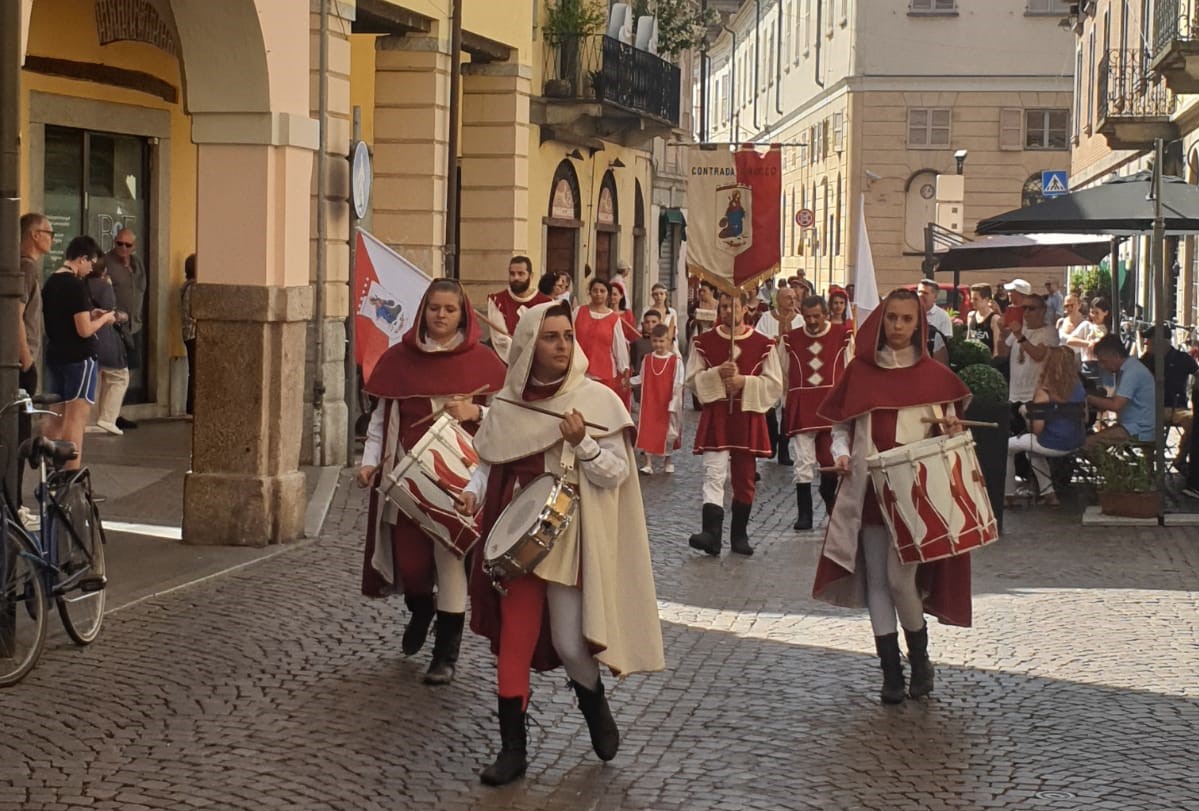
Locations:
{"points": [[22, 607], [79, 592]]}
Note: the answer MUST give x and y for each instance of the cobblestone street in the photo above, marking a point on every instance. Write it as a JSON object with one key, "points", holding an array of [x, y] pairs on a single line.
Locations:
{"points": [[278, 686]]}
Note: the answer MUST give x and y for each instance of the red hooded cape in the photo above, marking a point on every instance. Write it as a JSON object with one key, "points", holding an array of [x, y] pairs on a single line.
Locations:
{"points": [[867, 387]]}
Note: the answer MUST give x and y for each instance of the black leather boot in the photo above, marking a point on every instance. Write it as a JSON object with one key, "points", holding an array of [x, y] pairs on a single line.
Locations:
{"points": [[423, 608], [887, 646], [446, 641], [709, 539], [605, 737], [922, 666], [803, 505], [512, 760], [738, 537], [828, 492]]}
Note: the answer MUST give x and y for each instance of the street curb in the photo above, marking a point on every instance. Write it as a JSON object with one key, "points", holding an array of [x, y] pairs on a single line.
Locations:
{"points": [[321, 500]]}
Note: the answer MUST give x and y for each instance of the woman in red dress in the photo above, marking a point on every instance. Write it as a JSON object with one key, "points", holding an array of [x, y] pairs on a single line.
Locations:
{"points": [[838, 307], [436, 364], [599, 334], [879, 403]]}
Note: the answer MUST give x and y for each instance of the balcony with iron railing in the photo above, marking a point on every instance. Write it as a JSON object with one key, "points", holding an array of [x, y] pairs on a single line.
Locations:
{"points": [[1176, 44], [603, 87], [1135, 106]]}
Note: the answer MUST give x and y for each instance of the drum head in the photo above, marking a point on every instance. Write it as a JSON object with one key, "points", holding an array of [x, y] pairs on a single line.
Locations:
{"points": [[519, 516]]}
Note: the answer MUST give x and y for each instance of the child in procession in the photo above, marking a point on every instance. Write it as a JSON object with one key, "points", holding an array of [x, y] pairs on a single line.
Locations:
{"points": [[661, 381]]}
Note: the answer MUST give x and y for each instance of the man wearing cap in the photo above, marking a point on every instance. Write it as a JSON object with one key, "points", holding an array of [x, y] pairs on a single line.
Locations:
{"points": [[940, 326]]}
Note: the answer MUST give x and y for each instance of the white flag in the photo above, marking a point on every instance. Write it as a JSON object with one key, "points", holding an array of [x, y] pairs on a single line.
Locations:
{"points": [[865, 294]]}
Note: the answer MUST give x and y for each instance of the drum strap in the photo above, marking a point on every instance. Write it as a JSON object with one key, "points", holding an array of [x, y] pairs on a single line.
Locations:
{"points": [[569, 473]]}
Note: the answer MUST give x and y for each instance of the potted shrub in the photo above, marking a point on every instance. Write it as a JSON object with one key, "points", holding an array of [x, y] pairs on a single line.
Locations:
{"points": [[568, 23], [989, 404], [965, 352], [1126, 483]]}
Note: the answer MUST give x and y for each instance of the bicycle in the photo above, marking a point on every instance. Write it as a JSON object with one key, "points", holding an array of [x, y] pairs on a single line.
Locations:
{"points": [[63, 559]]}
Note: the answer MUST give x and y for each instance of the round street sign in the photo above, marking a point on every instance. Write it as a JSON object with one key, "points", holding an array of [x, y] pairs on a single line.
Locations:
{"points": [[360, 179], [805, 218]]}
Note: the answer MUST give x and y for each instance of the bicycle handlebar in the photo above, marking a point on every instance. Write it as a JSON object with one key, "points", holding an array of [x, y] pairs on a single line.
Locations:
{"points": [[27, 401]]}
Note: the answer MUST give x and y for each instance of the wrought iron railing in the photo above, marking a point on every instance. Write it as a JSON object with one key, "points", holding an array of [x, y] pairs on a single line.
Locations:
{"points": [[600, 68], [1173, 21], [1128, 89]]}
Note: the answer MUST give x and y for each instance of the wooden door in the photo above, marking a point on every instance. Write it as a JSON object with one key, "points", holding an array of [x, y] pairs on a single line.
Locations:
{"points": [[603, 255], [560, 250]]}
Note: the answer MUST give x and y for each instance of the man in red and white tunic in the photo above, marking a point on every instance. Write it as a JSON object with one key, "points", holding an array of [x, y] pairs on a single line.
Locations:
{"points": [[732, 437], [814, 356], [504, 307]]}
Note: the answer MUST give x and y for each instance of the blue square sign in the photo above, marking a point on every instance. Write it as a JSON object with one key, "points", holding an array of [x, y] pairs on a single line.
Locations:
{"points": [[1054, 183]]}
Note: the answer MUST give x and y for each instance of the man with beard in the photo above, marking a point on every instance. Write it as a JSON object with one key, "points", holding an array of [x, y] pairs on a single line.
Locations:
{"points": [[504, 307]]}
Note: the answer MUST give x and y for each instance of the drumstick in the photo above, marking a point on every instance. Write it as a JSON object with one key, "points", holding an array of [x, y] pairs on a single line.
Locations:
{"points": [[963, 423], [547, 412], [441, 410], [482, 317]]}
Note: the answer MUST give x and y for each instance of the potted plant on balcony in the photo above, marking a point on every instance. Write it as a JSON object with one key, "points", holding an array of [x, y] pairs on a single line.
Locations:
{"points": [[568, 23], [989, 403], [1126, 483]]}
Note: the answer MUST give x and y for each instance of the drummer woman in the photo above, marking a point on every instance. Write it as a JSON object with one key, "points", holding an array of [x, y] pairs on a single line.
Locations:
{"points": [[436, 364], [591, 601], [878, 404]]}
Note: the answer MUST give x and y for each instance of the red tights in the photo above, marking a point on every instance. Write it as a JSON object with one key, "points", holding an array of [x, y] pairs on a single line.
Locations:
{"points": [[520, 628]]}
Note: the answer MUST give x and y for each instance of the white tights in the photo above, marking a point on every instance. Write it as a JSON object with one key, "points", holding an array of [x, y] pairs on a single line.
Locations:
{"points": [[451, 580], [890, 584], [566, 630]]}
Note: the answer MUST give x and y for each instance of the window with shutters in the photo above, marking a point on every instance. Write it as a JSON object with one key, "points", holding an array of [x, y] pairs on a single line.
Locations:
{"points": [[933, 7], [1011, 128], [838, 131], [824, 139], [1052, 7], [1046, 129], [928, 127]]}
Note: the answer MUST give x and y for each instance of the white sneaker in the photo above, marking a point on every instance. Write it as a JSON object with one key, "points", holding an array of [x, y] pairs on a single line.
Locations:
{"points": [[646, 469], [669, 468], [110, 427], [29, 519]]}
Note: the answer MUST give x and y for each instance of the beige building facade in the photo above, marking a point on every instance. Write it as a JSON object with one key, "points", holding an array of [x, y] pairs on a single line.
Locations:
{"points": [[872, 101], [1138, 81]]}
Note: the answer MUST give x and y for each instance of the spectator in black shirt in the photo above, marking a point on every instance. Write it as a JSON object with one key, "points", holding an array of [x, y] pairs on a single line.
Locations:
{"points": [[1176, 408], [71, 327], [980, 323]]}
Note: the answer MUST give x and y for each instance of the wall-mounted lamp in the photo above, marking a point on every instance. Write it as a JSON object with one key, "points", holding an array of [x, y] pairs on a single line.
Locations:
{"points": [[575, 155], [616, 164], [960, 157]]}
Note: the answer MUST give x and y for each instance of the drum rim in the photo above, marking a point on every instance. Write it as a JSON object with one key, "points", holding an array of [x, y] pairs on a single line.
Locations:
{"points": [[544, 502]]}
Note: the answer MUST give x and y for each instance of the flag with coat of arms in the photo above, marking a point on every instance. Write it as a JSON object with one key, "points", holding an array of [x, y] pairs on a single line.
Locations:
{"points": [[733, 238], [387, 293]]}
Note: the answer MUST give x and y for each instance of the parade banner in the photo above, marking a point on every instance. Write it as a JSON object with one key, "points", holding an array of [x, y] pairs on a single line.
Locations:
{"points": [[865, 298], [733, 234], [388, 289]]}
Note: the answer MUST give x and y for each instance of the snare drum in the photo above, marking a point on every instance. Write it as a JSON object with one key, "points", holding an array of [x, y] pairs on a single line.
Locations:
{"points": [[425, 483], [529, 527], [933, 498]]}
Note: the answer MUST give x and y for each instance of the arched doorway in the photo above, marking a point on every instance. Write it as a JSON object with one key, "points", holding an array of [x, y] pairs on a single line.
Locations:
{"points": [[639, 280], [562, 223], [607, 226], [920, 208]]}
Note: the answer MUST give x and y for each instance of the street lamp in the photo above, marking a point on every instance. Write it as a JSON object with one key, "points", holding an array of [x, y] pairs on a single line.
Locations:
{"points": [[960, 157]]}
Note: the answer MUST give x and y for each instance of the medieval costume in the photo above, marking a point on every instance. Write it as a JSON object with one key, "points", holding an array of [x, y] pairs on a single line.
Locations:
{"points": [[504, 307], [413, 379], [814, 363], [661, 416], [605, 345], [731, 438], [591, 600], [878, 404]]}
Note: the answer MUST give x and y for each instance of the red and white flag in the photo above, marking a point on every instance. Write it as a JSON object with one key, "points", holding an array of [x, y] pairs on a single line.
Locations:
{"points": [[733, 231], [388, 289]]}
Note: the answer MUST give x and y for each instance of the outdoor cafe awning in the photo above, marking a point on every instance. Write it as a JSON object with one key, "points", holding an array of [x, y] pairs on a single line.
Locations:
{"points": [[1025, 250]]}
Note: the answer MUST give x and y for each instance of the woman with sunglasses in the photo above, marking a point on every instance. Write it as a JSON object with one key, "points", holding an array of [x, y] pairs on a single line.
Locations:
{"points": [[71, 326]]}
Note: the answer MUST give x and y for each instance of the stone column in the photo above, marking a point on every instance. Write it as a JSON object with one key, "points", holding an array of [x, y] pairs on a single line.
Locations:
{"points": [[252, 309], [334, 411], [495, 173], [412, 84]]}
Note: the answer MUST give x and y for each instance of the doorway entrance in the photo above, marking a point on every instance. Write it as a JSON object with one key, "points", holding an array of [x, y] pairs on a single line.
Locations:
{"points": [[96, 183], [560, 250]]}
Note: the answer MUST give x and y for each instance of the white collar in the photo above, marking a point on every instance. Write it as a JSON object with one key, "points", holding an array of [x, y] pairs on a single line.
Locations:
{"points": [[889, 358]]}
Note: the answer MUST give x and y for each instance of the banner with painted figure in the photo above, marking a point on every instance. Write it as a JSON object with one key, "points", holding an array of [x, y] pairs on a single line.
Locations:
{"points": [[388, 290], [733, 236]]}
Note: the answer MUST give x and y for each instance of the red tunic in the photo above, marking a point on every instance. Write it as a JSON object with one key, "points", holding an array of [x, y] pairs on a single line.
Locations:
{"points": [[657, 390], [511, 308], [815, 364], [722, 428], [595, 336]]}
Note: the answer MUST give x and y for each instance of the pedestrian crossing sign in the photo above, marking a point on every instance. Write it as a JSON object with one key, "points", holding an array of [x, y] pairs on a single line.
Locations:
{"points": [[1054, 184]]}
